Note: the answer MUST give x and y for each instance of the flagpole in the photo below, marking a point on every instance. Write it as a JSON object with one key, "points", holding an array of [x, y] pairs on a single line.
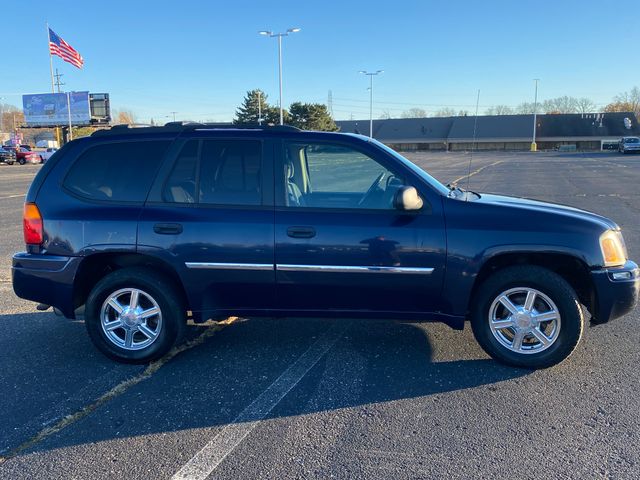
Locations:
{"points": [[53, 88]]}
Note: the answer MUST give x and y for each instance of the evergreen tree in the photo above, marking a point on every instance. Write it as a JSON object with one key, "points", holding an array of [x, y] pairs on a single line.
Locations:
{"points": [[247, 113], [311, 116]]}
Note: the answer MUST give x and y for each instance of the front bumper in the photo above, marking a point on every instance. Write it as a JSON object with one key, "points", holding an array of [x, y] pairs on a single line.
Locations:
{"points": [[616, 291], [46, 279]]}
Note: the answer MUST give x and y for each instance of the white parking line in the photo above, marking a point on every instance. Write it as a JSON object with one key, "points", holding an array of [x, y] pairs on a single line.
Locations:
{"points": [[214, 452], [13, 196]]}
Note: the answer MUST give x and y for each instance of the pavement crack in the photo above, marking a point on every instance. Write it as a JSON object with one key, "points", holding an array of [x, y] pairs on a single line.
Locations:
{"points": [[116, 391], [478, 170]]}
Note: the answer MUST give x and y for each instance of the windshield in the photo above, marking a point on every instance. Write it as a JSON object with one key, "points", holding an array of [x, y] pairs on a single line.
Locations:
{"points": [[416, 169], [632, 140]]}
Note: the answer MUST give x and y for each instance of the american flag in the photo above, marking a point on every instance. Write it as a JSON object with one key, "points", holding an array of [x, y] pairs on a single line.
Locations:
{"points": [[57, 46]]}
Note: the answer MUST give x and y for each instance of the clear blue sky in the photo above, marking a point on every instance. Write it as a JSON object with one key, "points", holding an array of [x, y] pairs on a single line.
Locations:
{"points": [[199, 58]]}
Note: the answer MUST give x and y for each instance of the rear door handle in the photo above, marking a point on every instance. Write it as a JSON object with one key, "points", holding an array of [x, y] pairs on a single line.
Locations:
{"points": [[301, 232], [167, 228]]}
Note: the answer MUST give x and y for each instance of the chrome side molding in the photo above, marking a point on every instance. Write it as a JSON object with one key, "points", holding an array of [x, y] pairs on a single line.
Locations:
{"points": [[229, 266], [352, 269], [287, 267]]}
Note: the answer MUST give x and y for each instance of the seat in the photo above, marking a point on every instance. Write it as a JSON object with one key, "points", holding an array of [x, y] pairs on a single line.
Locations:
{"points": [[294, 194]]}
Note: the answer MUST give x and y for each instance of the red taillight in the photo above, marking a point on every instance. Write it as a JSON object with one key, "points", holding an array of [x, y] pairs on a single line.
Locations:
{"points": [[32, 224]]}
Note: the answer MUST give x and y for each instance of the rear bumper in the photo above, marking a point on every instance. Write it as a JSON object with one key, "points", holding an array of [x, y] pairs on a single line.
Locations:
{"points": [[46, 279], [616, 291]]}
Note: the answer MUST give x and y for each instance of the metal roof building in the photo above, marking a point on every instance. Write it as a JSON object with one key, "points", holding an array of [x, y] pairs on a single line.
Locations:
{"points": [[591, 131]]}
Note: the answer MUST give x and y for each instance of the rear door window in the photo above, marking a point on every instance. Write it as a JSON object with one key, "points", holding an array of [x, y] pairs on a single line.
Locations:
{"points": [[117, 172], [216, 172]]}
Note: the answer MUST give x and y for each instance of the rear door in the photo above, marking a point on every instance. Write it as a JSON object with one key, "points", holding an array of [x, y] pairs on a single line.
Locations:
{"points": [[340, 243], [210, 215]]}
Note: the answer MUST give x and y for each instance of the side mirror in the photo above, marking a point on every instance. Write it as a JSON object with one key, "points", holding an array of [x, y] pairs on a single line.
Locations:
{"points": [[407, 198]]}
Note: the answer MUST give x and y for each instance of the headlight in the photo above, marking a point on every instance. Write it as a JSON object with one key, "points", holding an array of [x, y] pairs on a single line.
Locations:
{"points": [[614, 251]]}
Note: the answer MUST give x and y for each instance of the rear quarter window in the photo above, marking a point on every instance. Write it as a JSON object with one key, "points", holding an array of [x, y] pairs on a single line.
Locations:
{"points": [[117, 172]]}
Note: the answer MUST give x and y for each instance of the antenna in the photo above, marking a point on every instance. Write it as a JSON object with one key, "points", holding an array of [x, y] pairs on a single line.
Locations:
{"points": [[473, 144]]}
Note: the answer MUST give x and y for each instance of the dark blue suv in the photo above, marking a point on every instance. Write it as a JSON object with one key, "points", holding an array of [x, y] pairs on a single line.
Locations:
{"points": [[142, 227]]}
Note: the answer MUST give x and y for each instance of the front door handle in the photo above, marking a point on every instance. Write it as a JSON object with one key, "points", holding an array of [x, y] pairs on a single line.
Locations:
{"points": [[301, 232], [167, 228]]}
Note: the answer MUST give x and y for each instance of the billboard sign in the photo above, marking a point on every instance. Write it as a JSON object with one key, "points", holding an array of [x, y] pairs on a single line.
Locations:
{"points": [[52, 109]]}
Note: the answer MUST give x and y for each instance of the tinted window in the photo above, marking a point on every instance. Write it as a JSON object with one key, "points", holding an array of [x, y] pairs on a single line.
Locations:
{"points": [[230, 172], [334, 176], [181, 184], [227, 173], [116, 171]]}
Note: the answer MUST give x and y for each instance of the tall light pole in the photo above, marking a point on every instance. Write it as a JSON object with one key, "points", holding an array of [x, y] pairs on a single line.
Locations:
{"points": [[534, 146], [260, 108], [371, 75], [269, 33]]}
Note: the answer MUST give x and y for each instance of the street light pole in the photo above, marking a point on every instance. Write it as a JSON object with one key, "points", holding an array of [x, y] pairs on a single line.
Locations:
{"points": [[371, 75], [269, 33], [534, 146]]}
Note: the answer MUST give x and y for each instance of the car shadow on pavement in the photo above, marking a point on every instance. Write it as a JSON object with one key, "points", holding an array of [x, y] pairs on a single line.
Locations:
{"points": [[210, 385]]}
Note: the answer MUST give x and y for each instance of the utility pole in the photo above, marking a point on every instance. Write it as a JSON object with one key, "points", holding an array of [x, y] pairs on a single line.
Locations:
{"points": [[330, 103], [58, 82], [174, 115], [534, 146], [260, 108]]}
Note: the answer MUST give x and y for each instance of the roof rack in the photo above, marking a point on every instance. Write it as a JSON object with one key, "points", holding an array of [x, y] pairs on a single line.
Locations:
{"points": [[189, 126]]}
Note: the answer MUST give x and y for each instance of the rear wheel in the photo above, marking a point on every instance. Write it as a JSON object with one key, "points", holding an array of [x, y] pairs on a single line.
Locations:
{"points": [[527, 316], [22, 161], [134, 315]]}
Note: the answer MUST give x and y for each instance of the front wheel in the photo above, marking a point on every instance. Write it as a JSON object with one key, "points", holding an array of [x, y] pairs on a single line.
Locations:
{"points": [[134, 315], [527, 316], [22, 161]]}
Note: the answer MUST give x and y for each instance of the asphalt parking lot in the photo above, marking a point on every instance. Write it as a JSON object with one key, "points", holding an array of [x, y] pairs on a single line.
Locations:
{"points": [[310, 398]]}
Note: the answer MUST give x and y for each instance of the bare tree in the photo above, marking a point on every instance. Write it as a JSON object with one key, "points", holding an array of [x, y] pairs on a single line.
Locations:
{"points": [[385, 115], [445, 112], [626, 102], [526, 108], [414, 113], [585, 105], [12, 117], [125, 117], [563, 104], [499, 110]]}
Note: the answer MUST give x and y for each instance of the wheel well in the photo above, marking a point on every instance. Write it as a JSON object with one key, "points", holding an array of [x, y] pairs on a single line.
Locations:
{"points": [[571, 269], [97, 266]]}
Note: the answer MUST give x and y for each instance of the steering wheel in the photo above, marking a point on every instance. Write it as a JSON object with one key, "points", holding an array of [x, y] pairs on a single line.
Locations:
{"points": [[374, 186]]}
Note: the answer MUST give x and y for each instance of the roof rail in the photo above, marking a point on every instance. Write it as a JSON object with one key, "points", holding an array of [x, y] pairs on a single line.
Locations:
{"points": [[188, 126]]}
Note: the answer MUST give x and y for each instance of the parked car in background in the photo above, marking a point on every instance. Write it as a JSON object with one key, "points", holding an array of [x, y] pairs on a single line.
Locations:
{"points": [[46, 154], [629, 144], [7, 156], [25, 156]]}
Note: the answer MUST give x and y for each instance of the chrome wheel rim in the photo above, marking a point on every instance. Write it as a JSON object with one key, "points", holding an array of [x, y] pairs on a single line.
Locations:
{"points": [[131, 319], [524, 320]]}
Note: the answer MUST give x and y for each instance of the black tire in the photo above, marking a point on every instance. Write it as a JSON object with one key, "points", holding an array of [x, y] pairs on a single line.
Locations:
{"points": [[9, 163], [551, 285], [155, 285], [22, 161]]}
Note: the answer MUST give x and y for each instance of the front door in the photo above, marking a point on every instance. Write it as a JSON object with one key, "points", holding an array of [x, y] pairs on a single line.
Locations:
{"points": [[340, 243]]}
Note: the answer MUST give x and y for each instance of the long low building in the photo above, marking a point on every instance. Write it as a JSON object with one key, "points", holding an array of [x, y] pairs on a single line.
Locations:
{"points": [[588, 131]]}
